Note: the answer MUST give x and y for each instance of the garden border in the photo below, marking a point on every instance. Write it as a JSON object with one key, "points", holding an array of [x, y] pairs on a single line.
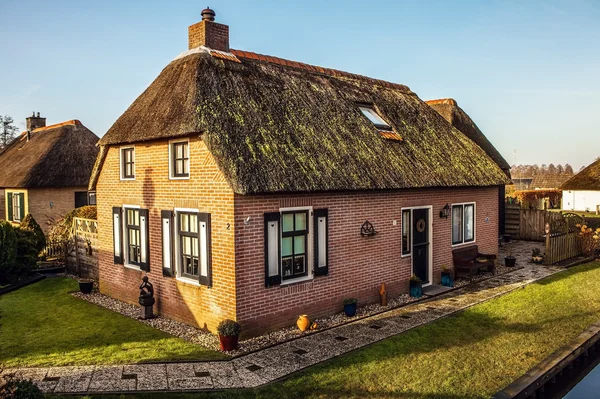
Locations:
{"points": [[23, 283]]}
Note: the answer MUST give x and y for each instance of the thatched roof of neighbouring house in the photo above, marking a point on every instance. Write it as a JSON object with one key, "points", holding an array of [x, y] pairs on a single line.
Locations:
{"points": [[60, 155], [587, 179], [449, 109], [549, 181], [275, 125]]}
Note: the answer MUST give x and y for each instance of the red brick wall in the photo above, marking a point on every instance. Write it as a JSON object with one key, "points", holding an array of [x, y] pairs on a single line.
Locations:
{"points": [[207, 191], [63, 201], [357, 265], [209, 34]]}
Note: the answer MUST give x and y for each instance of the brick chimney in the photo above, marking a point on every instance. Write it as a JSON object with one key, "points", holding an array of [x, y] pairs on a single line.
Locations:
{"points": [[209, 33], [34, 122]]}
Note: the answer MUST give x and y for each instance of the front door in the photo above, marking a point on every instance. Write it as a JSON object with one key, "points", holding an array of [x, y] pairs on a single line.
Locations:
{"points": [[420, 250]]}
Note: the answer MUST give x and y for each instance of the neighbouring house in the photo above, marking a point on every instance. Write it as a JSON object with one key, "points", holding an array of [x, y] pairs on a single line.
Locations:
{"points": [[582, 191], [449, 109], [522, 183], [46, 170], [548, 182], [256, 188]]}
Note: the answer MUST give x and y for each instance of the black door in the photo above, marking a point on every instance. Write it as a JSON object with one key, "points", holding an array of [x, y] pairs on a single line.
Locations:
{"points": [[420, 254]]}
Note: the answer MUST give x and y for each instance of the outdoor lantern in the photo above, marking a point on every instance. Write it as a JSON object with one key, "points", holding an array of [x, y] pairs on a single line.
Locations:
{"points": [[445, 212]]}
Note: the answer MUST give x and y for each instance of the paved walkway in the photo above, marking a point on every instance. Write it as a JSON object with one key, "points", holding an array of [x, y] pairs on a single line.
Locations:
{"points": [[269, 364]]}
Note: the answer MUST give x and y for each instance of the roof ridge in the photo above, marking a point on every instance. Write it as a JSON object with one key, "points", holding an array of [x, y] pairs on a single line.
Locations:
{"points": [[449, 101], [74, 122], [316, 69]]}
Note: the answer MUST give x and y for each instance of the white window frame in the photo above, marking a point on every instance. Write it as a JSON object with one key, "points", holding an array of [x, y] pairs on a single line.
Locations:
{"points": [[474, 240], [121, 165], [177, 247], [309, 245], [22, 211], [431, 235], [171, 169], [371, 109], [125, 243], [409, 254]]}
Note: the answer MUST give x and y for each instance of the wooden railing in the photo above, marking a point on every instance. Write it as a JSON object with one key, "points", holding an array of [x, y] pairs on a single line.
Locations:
{"points": [[562, 246], [55, 250]]}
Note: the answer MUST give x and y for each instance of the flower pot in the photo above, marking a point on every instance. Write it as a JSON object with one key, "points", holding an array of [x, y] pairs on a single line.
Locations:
{"points": [[416, 289], [350, 309], [510, 261], [228, 343], [303, 322], [86, 286], [447, 280]]}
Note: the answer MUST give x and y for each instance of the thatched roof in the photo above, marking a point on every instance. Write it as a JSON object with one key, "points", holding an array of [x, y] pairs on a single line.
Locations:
{"points": [[449, 109], [274, 125], [60, 155], [587, 179], [549, 181]]}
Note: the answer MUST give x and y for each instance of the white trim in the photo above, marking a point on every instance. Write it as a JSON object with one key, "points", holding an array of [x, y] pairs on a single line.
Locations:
{"points": [[430, 257], [464, 243], [177, 244], [171, 171], [408, 255], [309, 245], [126, 237], [121, 171]]}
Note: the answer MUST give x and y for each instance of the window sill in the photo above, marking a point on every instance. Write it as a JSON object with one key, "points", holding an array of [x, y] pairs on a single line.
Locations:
{"points": [[127, 178], [179, 178], [188, 281], [463, 244], [406, 255], [295, 281], [133, 267]]}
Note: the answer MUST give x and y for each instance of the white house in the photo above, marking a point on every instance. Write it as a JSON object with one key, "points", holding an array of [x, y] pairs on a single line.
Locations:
{"points": [[582, 191]]}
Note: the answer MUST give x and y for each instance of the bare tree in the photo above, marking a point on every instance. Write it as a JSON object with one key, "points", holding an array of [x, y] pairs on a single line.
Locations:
{"points": [[8, 130], [569, 170], [560, 169]]}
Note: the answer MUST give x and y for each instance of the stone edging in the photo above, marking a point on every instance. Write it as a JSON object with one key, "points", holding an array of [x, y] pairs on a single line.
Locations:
{"points": [[23, 283]]}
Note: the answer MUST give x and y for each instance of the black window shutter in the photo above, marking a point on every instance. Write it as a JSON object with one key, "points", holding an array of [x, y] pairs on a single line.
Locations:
{"points": [[167, 242], [9, 208], [118, 235], [204, 250], [272, 249], [145, 236], [321, 242], [22, 205]]}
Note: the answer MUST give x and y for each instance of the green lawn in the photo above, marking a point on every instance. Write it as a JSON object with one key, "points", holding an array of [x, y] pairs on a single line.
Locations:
{"points": [[42, 324], [471, 355]]}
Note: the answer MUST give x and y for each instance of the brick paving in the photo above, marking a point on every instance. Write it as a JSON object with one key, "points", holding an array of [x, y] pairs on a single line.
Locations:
{"points": [[272, 363]]}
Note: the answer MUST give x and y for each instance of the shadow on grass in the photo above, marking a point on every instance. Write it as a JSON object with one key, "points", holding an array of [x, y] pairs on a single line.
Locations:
{"points": [[568, 273]]}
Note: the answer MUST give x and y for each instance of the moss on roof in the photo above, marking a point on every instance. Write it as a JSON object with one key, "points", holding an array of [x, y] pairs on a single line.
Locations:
{"points": [[587, 179], [276, 127]]}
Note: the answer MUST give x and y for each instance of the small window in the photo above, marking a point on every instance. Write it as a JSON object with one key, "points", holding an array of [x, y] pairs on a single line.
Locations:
{"points": [[127, 163], [81, 199], [294, 238], [92, 198], [133, 236], [463, 223], [406, 225], [189, 244], [374, 117], [18, 207], [180, 159]]}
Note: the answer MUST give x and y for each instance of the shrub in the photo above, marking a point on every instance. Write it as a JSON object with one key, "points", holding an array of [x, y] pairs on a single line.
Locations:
{"points": [[60, 230], [30, 224], [15, 388], [229, 328], [8, 251], [27, 253], [350, 301]]}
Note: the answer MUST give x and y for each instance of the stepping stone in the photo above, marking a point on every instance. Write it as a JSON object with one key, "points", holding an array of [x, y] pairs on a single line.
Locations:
{"points": [[375, 326], [300, 352], [128, 376], [405, 316], [252, 367], [203, 373], [340, 338], [50, 379]]}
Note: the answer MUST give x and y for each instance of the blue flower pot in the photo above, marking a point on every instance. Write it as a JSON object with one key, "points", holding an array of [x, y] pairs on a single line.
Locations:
{"points": [[447, 280], [350, 309], [416, 289]]}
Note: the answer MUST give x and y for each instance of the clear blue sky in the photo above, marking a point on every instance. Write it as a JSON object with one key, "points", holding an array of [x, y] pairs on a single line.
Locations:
{"points": [[527, 72]]}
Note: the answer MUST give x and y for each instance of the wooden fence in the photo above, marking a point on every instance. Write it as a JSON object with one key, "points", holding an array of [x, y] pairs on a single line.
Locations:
{"points": [[82, 258]]}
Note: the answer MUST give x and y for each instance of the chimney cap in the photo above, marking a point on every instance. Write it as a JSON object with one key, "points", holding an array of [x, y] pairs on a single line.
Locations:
{"points": [[208, 14]]}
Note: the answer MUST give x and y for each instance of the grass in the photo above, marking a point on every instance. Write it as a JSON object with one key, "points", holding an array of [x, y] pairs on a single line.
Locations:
{"points": [[42, 325], [470, 355]]}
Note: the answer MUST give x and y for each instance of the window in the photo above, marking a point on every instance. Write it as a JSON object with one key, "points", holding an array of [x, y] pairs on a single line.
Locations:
{"points": [[294, 235], [81, 199], [92, 198], [15, 206], [406, 226], [189, 243], [180, 160], [463, 223], [133, 236], [374, 117], [127, 163]]}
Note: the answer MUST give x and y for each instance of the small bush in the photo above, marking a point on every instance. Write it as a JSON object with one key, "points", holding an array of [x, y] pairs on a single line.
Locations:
{"points": [[27, 253], [15, 388], [350, 301], [30, 224], [229, 328], [8, 251]]}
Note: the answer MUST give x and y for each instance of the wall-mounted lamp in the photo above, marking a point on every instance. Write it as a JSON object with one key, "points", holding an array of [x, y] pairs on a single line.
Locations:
{"points": [[445, 212]]}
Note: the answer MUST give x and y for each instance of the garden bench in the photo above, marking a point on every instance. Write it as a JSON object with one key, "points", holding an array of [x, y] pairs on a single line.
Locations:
{"points": [[468, 261]]}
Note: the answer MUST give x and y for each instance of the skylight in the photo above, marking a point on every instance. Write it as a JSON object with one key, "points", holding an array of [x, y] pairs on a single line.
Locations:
{"points": [[374, 117]]}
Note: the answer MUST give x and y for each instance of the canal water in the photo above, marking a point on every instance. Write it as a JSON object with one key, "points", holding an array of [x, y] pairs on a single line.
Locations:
{"points": [[588, 387]]}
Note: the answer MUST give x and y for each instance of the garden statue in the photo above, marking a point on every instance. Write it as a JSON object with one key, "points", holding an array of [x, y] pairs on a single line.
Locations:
{"points": [[146, 298]]}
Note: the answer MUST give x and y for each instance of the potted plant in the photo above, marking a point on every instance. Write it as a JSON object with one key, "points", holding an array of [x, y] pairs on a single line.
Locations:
{"points": [[509, 260], [447, 280], [229, 332], [350, 306], [85, 285], [536, 255], [416, 287]]}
